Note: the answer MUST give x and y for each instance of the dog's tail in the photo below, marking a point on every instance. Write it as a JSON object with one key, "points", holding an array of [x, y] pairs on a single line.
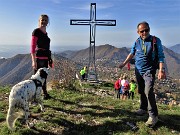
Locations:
{"points": [[11, 118]]}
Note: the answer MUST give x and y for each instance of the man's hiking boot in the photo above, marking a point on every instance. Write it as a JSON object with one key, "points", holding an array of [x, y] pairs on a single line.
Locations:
{"points": [[151, 122], [141, 112], [47, 96]]}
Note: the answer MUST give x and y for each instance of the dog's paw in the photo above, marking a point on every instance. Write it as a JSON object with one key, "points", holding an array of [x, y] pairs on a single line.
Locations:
{"points": [[30, 125], [42, 110]]}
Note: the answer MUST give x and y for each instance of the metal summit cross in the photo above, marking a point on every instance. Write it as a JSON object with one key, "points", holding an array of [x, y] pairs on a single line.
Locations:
{"points": [[92, 75]]}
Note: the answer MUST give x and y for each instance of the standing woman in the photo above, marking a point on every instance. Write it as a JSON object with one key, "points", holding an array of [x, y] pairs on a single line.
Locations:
{"points": [[40, 49]]}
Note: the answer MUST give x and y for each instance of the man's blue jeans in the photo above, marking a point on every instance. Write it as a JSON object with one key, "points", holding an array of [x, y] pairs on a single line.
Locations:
{"points": [[146, 91]]}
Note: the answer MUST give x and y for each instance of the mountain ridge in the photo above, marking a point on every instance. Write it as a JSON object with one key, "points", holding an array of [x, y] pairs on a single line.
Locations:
{"points": [[175, 48], [110, 53], [18, 68]]}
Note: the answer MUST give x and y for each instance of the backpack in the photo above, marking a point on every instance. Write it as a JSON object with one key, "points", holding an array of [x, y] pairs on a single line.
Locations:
{"points": [[117, 85], [126, 86], [155, 59]]}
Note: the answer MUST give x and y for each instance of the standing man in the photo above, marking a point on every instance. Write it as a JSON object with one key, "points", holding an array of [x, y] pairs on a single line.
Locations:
{"points": [[145, 70]]}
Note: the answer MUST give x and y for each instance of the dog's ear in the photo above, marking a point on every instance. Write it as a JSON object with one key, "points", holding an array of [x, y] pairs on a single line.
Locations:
{"points": [[43, 74], [46, 69]]}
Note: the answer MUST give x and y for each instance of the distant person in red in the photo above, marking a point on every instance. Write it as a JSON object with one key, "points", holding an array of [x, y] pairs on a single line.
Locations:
{"points": [[40, 49], [117, 88]]}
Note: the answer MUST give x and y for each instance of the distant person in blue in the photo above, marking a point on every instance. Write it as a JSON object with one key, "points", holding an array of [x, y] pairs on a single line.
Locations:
{"points": [[145, 70]]}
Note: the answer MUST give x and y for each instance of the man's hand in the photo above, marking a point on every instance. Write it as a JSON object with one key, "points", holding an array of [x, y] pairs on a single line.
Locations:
{"points": [[161, 75], [51, 63], [121, 65], [129, 57]]}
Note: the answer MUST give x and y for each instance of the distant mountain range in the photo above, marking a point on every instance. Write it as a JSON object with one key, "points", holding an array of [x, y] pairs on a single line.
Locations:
{"points": [[17, 68], [175, 48], [102, 52], [109, 55]]}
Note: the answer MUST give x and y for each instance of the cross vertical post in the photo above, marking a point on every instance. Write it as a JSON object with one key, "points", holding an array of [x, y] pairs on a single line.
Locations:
{"points": [[92, 22]]}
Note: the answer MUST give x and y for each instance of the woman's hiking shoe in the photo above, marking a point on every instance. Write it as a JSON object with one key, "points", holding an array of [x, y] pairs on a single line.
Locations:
{"points": [[141, 112], [151, 122]]}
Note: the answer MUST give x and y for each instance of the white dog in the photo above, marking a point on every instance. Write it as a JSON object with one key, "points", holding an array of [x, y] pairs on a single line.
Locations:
{"points": [[24, 92]]}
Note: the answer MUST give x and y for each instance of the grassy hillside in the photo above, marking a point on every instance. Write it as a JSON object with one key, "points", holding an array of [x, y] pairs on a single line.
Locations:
{"points": [[79, 113]]}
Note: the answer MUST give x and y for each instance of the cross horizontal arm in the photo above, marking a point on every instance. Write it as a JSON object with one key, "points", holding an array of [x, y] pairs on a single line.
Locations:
{"points": [[80, 22], [106, 22], [96, 22]]}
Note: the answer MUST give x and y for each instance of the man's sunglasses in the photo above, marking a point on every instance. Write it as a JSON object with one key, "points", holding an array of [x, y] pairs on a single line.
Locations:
{"points": [[146, 30], [44, 20]]}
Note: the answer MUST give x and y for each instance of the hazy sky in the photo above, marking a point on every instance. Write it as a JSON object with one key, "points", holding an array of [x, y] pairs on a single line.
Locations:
{"points": [[18, 18]]}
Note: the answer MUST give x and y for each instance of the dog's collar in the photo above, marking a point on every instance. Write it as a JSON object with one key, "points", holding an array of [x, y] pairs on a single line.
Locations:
{"points": [[37, 82]]}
